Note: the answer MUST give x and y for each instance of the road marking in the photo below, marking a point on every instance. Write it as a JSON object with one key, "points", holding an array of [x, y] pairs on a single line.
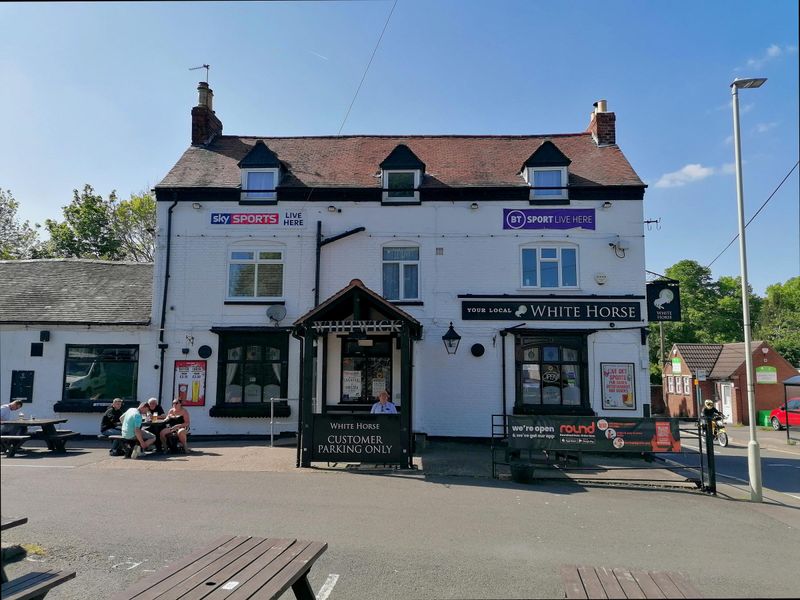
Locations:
{"points": [[327, 587], [40, 466]]}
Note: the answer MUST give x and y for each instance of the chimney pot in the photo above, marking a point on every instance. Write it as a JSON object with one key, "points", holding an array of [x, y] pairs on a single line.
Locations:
{"points": [[600, 106]]}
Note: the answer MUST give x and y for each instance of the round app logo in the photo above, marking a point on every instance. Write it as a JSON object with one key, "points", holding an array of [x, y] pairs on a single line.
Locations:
{"points": [[602, 424], [611, 433], [619, 443]]}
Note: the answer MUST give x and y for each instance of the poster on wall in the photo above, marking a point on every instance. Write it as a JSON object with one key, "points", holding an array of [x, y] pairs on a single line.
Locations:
{"points": [[190, 382], [351, 385], [766, 374], [618, 386]]}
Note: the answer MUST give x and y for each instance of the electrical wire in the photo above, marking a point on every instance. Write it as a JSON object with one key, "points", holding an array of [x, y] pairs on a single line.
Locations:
{"points": [[364, 76], [736, 237]]}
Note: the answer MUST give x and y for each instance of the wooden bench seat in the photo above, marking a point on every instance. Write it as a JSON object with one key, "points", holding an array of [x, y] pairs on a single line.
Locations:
{"points": [[35, 584], [11, 443], [605, 582]]}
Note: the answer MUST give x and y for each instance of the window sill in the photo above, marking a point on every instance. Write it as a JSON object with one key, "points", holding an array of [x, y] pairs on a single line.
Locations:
{"points": [[253, 411], [407, 302], [549, 201], [254, 302], [258, 202]]}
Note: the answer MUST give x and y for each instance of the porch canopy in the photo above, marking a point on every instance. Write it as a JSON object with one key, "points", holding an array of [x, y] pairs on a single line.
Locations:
{"points": [[356, 311]]}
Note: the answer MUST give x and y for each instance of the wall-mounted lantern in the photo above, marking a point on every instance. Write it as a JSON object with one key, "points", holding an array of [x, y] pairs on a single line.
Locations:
{"points": [[451, 340]]}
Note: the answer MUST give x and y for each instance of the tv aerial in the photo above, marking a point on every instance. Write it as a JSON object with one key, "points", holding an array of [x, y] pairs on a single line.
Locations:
{"points": [[206, 67], [276, 313]]}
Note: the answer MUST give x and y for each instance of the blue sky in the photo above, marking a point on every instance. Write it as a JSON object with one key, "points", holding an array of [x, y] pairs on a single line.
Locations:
{"points": [[101, 94]]}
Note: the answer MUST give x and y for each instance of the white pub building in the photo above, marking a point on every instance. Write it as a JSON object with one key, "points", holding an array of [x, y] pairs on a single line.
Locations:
{"points": [[466, 276]]}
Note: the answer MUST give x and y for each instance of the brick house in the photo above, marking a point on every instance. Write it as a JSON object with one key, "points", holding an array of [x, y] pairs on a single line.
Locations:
{"points": [[726, 381]]}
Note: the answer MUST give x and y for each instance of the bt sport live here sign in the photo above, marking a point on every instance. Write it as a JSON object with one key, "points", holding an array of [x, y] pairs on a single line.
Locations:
{"points": [[548, 218]]}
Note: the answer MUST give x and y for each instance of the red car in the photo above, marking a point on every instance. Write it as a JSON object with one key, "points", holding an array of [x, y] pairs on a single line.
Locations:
{"points": [[778, 416]]}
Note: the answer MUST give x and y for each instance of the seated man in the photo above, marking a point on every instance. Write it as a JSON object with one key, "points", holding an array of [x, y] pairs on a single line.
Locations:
{"points": [[110, 425], [132, 429], [6, 415], [178, 424], [155, 409], [383, 405]]}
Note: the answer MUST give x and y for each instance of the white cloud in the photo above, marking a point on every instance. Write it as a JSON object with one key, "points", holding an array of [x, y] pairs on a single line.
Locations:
{"points": [[728, 169], [765, 127], [772, 52], [728, 140], [687, 174]]}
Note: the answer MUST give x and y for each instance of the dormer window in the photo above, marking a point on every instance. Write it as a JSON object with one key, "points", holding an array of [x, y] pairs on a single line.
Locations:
{"points": [[261, 171], [548, 183], [401, 176], [546, 172]]}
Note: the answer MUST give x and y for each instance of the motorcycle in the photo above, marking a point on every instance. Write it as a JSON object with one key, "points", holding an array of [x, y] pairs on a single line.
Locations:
{"points": [[718, 430]]}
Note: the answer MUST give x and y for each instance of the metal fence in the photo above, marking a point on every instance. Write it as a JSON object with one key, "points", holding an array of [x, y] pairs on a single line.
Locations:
{"points": [[283, 423]]}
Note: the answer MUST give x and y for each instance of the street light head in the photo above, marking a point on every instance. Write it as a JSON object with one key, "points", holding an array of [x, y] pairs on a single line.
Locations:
{"points": [[752, 82]]}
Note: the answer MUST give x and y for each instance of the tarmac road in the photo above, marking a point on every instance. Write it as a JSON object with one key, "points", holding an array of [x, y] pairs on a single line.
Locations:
{"points": [[389, 535]]}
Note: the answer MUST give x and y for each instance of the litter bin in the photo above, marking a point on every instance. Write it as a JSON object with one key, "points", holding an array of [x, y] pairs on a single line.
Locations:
{"points": [[763, 418]]}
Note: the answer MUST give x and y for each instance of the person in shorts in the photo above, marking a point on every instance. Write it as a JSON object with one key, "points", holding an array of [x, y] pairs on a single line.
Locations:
{"points": [[132, 429]]}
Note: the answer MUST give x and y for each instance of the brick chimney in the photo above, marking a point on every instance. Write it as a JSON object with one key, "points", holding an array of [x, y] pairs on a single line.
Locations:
{"points": [[603, 125], [205, 124]]}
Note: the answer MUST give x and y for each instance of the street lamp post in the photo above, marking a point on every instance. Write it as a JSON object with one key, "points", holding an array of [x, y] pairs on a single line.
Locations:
{"points": [[753, 452]]}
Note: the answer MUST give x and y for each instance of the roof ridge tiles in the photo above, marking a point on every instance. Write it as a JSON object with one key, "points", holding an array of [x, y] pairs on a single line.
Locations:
{"points": [[407, 136]]}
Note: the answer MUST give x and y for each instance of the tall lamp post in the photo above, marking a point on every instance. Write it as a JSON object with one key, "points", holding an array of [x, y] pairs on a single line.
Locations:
{"points": [[753, 452]]}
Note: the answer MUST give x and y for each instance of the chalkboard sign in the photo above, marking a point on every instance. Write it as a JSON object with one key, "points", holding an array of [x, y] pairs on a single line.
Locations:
{"points": [[22, 385]]}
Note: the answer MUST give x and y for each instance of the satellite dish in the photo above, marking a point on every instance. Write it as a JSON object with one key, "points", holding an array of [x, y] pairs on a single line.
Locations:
{"points": [[276, 312]]}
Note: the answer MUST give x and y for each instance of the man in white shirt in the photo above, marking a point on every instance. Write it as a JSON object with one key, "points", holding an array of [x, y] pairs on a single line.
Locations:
{"points": [[6, 415], [383, 406]]}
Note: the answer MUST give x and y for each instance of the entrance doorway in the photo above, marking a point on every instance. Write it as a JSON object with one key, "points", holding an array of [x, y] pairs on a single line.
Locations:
{"points": [[726, 393]]}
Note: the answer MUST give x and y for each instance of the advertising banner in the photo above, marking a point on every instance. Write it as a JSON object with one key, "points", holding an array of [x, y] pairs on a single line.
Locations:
{"points": [[766, 374], [593, 434], [190, 382], [548, 218], [663, 301], [618, 386], [277, 219], [357, 438]]}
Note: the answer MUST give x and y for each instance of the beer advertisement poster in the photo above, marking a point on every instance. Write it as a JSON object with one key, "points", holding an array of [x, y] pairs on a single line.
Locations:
{"points": [[190, 382]]}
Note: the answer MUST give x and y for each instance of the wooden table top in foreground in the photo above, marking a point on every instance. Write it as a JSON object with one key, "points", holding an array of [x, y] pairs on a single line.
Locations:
{"points": [[234, 567], [605, 582]]}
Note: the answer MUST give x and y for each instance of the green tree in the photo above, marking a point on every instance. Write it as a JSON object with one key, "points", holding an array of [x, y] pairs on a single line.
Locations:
{"points": [[779, 321], [87, 230], [134, 227], [17, 240]]}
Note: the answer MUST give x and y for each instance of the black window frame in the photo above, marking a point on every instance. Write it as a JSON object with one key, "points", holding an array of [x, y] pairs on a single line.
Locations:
{"points": [[576, 342], [66, 402], [228, 340], [366, 352]]}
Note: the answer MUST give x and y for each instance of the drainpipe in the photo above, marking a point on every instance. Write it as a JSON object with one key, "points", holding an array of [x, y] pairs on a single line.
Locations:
{"points": [[320, 244], [161, 345]]}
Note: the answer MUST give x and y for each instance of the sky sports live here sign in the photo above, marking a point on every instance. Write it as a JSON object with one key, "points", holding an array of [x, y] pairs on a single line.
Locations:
{"points": [[280, 219], [593, 434]]}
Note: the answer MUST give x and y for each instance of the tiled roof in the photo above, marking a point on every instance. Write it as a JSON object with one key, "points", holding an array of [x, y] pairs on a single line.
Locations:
{"points": [[699, 356], [731, 358], [353, 161], [75, 291]]}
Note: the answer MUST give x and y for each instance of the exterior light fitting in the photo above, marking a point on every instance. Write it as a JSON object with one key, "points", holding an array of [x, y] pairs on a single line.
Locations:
{"points": [[331, 208], [474, 206], [196, 205], [606, 205], [451, 340]]}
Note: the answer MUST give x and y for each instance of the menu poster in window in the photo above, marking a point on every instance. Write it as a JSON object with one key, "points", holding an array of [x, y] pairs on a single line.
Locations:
{"points": [[378, 386], [190, 382], [351, 384], [618, 386]]}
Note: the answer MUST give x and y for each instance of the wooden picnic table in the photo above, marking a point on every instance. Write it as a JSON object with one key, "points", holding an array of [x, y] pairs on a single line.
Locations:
{"points": [[56, 440], [605, 582], [234, 567]]}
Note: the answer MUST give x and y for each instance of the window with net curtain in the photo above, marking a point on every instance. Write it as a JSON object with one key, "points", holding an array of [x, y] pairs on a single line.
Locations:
{"points": [[254, 368], [401, 272], [262, 183], [547, 178], [549, 267], [255, 274]]}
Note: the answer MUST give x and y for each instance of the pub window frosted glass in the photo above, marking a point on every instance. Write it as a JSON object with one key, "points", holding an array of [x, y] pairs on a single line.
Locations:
{"points": [[255, 274], [101, 372], [254, 368], [549, 267], [401, 273]]}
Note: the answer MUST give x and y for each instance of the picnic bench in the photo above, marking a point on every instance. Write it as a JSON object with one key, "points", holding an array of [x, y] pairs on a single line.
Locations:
{"points": [[606, 582], [234, 567], [35, 584], [56, 439]]}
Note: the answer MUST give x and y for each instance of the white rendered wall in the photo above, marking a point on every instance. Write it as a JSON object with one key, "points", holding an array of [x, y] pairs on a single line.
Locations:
{"points": [[453, 395]]}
